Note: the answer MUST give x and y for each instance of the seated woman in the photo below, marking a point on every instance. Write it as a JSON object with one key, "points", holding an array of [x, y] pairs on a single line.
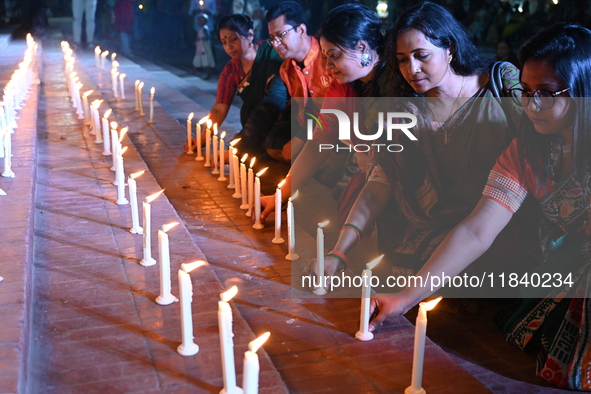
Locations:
{"points": [[352, 43], [417, 196], [551, 161], [247, 73]]}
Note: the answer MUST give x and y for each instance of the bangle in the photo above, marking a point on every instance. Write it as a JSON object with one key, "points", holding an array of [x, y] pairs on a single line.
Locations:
{"points": [[343, 260], [355, 228]]}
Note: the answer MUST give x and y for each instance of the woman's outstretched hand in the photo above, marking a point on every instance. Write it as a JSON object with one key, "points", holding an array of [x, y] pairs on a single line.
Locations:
{"points": [[383, 306], [331, 266]]}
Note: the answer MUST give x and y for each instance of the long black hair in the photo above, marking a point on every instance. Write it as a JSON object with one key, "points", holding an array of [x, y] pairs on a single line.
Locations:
{"points": [[567, 48], [238, 23], [442, 30]]}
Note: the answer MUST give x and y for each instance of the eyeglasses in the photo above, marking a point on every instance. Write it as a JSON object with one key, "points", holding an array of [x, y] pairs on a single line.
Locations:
{"points": [[279, 37], [543, 98]]}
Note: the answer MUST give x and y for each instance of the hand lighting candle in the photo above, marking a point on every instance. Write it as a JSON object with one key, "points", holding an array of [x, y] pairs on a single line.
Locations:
{"points": [[135, 222], [291, 254], [189, 137], [152, 92], [227, 342], [363, 334], [148, 260], [187, 346], [257, 200], [250, 180], [278, 201], [222, 176], [319, 288], [165, 297], [419, 351], [208, 144], [243, 190], [250, 373]]}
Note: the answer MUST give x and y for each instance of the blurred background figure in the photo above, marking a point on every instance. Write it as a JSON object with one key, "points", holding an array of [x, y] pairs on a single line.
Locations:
{"points": [[86, 8], [203, 51], [505, 53], [123, 23]]}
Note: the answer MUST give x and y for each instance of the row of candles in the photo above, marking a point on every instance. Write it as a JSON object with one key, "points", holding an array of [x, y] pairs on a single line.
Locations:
{"points": [[14, 94], [247, 186], [187, 346]]}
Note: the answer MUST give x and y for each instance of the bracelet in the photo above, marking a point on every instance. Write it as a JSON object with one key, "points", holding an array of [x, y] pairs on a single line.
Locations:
{"points": [[343, 260], [355, 228]]}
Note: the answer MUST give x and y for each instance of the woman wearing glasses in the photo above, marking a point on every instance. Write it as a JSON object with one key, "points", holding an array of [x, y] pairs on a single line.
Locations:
{"points": [[551, 161]]}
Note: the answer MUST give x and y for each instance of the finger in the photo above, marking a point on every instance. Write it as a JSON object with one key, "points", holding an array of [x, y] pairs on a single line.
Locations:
{"points": [[377, 321]]}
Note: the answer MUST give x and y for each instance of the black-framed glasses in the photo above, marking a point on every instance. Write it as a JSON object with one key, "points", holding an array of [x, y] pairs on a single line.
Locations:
{"points": [[279, 37], [543, 98]]}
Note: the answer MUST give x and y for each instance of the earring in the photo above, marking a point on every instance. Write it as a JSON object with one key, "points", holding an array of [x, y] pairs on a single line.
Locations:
{"points": [[251, 44], [365, 59], [450, 59]]}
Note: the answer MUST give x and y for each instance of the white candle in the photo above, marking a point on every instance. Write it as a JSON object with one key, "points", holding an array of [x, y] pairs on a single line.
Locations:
{"points": [[86, 106], [148, 260], [291, 254], [103, 57], [198, 135], [320, 290], [122, 86], [7, 173], [79, 109], [250, 180], [419, 350], [152, 92], [120, 175], [113, 62], [278, 201], [97, 52], [187, 346], [236, 166], [95, 105], [227, 341], [114, 143], [114, 77], [231, 155], [189, 137], [243, 191], [222, 176], [105, 132], [165, 297], [140, 98], [215, 170], [363, 334], [250, 373], [135, 222], [137, 97], [98, 139], [208, 145], [257, 200]]}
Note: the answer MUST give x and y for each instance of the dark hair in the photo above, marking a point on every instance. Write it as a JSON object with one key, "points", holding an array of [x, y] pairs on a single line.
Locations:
{"points": [[237, 23], [292, 12], [567, 48], [348, 24], [443, 31]]}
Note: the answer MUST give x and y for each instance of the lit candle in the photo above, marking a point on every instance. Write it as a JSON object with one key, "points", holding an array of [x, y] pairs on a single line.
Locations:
{"points": [[419, 351], [148, 260], [113, 56], [189, 137], [208, 144], [79, 109], [198, 134], [141, 99], [320, 290], [187, 346], [97, 52], [236, 165], [215, 170], [95, 129], [227, 341], [291, 254], [243, 191], [114, 143], [250, 187], [137, 97], [103, 57], [363, 334], [152, 92], [119, 140], [165, 297], [232, 183], [278, 200], [250, 373], [121, 78], [114, 76], [105, 132], [135, 222], [7, 173], [86, 106], [257, 200], [222, 176], [120, 175]]}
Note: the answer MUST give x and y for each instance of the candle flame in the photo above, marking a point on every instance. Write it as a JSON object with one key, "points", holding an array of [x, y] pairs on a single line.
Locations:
{"points": [[140, 86], [137, 174], [72, 74], [123, 132], [188, 267], [122, 75], [105, 53], [154, 196], [96, 104], [190, 116], [373, 263], [294, 196], [113, 55], [209, 123], [88, 93], [253, 346], [228, 295], [281, 183], [322, 224], [137, 82], [114, 125], [215, 128], [107, 113], [252, 162], [223, 135], [152, 90], [234, 142], [215, 132], [431, 304], [97, 50], [123, 150], [243, 160], [204, 119], [166, 227], [261, 172]]}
